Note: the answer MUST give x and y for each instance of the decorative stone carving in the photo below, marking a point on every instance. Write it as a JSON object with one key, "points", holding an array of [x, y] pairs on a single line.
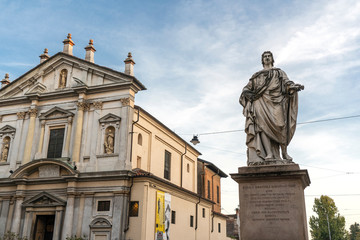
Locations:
{"points": [[270, 107], [63, 78], [84, 106], [33, 112], [44, 200], [109, 140], [20, 115], [125, 101], [5, 149], [55, 113], [98, 105]]}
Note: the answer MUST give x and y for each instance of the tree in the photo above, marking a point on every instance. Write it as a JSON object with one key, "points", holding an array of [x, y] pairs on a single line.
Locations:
{"points": [[354, 231], [327, 219]]}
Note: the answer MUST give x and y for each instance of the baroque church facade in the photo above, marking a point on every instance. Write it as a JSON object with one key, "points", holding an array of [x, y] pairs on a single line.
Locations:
{"points": [[79, 158]]}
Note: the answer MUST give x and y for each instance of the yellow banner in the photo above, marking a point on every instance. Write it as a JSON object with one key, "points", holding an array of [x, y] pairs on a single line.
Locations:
{"points": [[160, 215]]}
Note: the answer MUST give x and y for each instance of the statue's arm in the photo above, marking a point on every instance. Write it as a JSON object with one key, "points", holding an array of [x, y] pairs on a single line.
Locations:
{"points": [[291, 87]]}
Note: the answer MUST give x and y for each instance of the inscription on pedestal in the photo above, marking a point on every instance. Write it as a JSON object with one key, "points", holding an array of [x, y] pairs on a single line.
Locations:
{"points": [[270, 202]]}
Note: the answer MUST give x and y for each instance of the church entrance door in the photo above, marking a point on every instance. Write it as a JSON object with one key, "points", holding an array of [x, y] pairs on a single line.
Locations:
{"points": [[44, 227]]}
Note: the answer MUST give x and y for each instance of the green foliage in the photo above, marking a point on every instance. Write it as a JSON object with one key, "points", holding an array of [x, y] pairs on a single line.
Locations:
{"points": [[354, 232], [12, 236], [75, 238], [325, 209]]}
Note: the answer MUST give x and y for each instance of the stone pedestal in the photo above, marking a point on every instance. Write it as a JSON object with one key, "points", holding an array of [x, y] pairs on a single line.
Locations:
{"points": [[272, 204]]}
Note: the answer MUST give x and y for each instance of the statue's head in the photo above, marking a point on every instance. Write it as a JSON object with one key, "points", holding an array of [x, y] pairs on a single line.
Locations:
{"points": [[267, 53]]}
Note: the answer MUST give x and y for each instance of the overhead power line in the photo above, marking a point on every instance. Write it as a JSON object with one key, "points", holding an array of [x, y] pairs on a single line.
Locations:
{"points": [[300, 123]]}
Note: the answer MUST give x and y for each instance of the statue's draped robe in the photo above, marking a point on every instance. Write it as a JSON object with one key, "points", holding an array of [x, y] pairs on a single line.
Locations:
{"points": [[269, 109]]}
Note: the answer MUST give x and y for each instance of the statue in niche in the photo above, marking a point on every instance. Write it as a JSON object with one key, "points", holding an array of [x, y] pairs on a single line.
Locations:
{"points": [[109, 140], [62, 79], [270, 102], [5, 149]]}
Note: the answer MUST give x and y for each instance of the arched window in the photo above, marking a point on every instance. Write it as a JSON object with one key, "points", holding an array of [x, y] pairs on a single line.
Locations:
{"points": [[140, 139], [109, 141], [5, 149], [63, 78]]}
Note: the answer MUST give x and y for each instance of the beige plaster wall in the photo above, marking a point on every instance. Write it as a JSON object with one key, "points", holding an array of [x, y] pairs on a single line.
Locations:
{"points": [[143, 227], [156, 140]]}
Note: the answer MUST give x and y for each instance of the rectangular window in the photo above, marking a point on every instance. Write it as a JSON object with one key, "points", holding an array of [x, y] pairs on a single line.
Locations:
{"points": [[134, 209], [203, 212], [103, 206], [191, 221], [173, 217], [167, 165], [208, 192], [138, 162], [217, 194], [56, 143], [219, 227]]}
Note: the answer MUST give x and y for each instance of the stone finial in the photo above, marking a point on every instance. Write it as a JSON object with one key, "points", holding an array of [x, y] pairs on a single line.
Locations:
{"points": [[5, 81], [45, 56], [129, 65], [90, 50], [68, 45]]}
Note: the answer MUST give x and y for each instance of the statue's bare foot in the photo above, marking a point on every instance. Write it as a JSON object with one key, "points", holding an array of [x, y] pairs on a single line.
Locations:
{"points": [[269, 157], [287, 157]]}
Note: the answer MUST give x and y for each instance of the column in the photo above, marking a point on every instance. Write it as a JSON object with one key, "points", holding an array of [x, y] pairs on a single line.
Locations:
{"points": [[69, 214], [88, 209], [3, 215], [119, 212], [30, 135], [78, 132], [68, 137], [41, 140], [81, 214], [57, 223], [27, 223], [15, 227]]}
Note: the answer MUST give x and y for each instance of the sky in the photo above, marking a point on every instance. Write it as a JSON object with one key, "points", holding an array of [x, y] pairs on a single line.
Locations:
{"points": [[195, 57]]}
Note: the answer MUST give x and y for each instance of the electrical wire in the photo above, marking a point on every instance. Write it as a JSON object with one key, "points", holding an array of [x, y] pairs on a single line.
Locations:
{"points": [[300, 123]]}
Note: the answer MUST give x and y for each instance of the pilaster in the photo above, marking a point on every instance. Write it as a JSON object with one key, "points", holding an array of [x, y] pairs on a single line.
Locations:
{"points": [[30, 135]]}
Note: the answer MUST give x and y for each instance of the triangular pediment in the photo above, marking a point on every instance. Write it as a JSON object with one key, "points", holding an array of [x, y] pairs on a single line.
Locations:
{"points": [[44, 199], [7, 129], [108, 118], [38, 88], [45, 78], [56, 113]]}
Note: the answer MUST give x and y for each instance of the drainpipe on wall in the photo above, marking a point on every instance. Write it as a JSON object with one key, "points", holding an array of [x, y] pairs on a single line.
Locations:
{"points": [[132, 178], [132, 134], [212, 189], [128, 210], [182, 162]]}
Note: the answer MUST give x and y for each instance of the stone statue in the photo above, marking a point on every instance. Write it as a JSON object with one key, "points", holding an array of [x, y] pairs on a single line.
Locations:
{"points": [[270, 102], [62, 80], [109, 142], [5, 150]]}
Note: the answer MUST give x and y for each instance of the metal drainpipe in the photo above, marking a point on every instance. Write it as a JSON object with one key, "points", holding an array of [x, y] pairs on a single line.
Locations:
{"points": [[212, 189], [132, 133], [196, 216], [182, 161], [132, 178], [128, 211]]}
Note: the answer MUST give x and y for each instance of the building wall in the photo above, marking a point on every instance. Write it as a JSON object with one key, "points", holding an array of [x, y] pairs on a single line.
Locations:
{"points": [[156, 139], [184, 204]]}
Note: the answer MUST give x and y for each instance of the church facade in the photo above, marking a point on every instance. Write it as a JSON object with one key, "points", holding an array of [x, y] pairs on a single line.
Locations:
{"points": [[78, 158]]}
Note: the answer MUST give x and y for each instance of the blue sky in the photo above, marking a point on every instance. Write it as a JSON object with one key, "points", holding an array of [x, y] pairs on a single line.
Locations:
{"points": [[196, 56]]}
